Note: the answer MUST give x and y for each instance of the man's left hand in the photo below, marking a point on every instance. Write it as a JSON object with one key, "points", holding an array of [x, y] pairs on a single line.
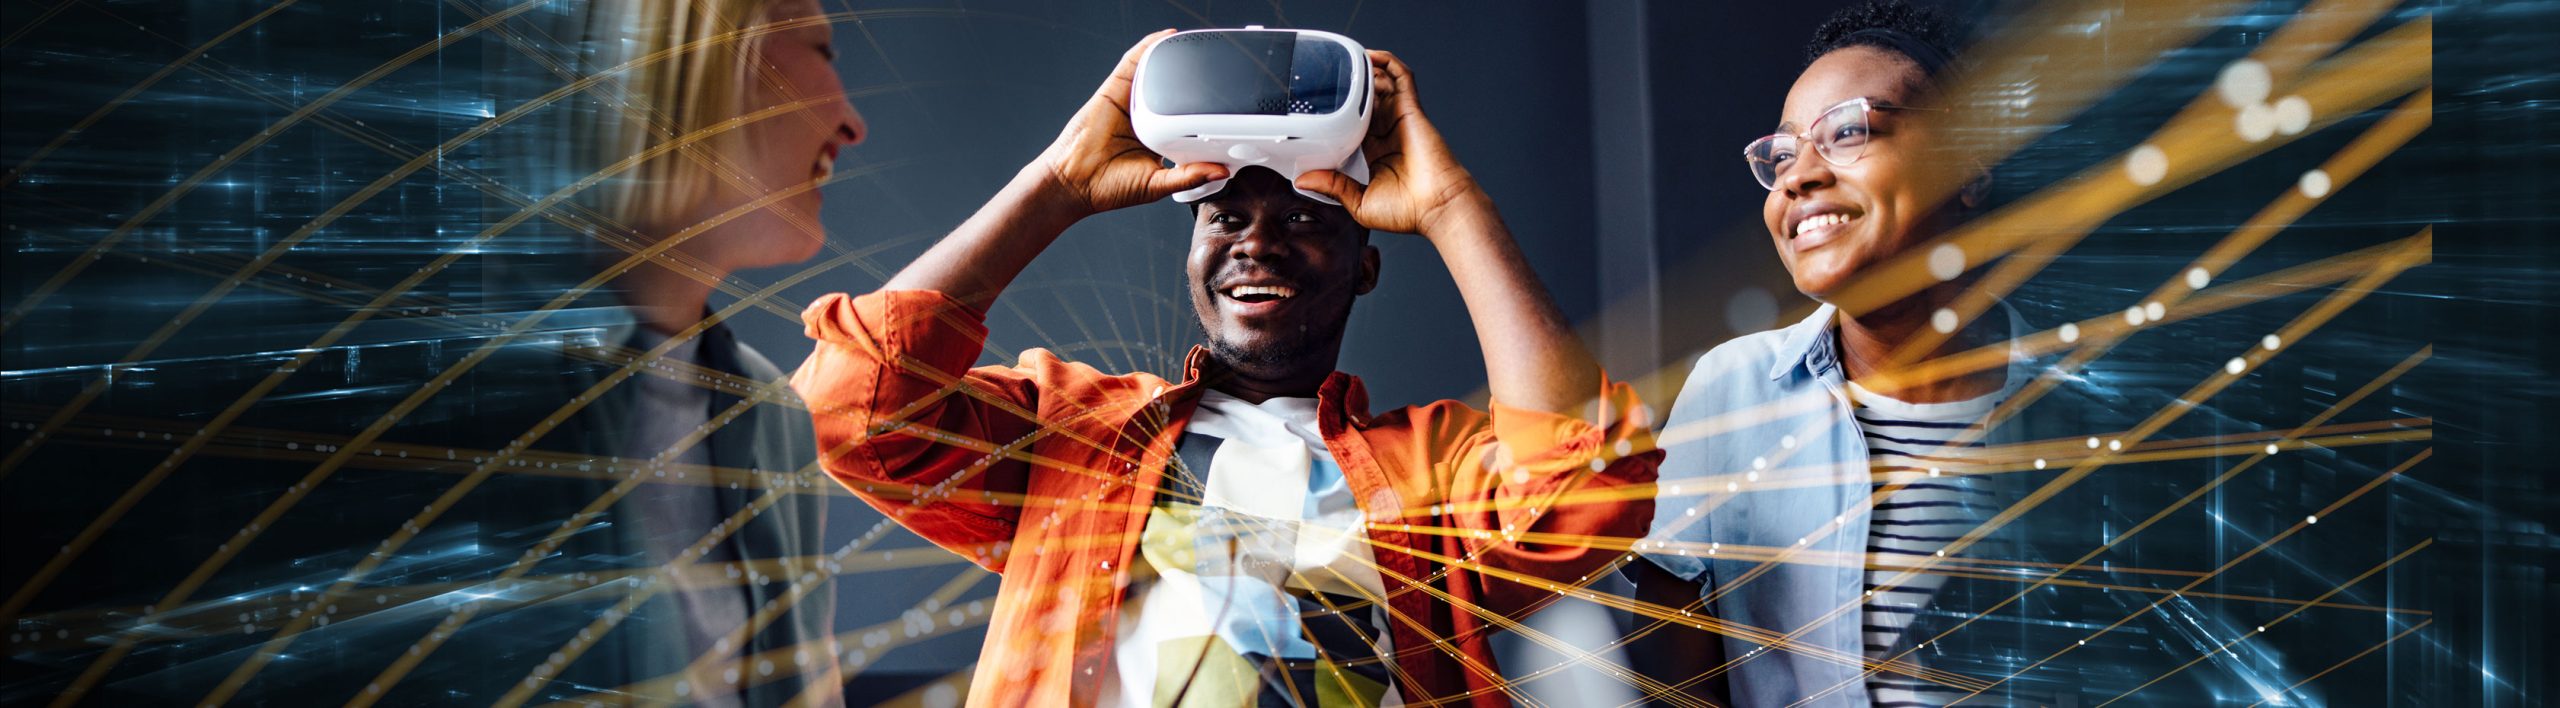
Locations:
{"points": [[1415, 185]]}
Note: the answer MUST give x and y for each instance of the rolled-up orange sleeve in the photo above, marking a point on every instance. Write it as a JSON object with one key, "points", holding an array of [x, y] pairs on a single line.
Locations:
{"points": [[904, 422], [1550, 490]]}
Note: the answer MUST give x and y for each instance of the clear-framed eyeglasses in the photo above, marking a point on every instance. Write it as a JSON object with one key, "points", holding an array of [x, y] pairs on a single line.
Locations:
{"points": [[1840, 136]]}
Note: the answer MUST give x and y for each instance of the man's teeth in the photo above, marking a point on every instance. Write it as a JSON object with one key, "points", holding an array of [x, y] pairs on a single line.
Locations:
{"points": [[1251, 290], [1821, 220], [826, 168]]}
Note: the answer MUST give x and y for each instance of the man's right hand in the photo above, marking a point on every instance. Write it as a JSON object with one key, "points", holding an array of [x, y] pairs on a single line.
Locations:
{"points": [[1097, 161], [1096, 165]]}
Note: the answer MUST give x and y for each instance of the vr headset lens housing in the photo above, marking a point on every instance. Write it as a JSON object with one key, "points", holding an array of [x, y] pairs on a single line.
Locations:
{"points": [[1248, 73], [1288, 100]]}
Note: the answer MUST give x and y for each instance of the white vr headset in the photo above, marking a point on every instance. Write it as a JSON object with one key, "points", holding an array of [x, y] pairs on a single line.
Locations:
{"points": [[1292, 101]]}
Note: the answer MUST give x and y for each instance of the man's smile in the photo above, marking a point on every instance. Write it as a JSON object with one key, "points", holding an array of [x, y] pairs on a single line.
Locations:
{"points": [[1256, 300]]}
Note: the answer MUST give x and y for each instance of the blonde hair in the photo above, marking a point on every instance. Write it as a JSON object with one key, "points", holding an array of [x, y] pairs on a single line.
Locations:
{"points": [[681, 80]]}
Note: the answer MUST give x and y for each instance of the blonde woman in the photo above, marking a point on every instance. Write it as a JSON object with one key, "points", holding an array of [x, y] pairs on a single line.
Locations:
{"points": [[708, 149]]}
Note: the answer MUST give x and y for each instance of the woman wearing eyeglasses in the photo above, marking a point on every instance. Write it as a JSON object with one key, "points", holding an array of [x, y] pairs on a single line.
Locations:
{"points": [[1804, 489]]}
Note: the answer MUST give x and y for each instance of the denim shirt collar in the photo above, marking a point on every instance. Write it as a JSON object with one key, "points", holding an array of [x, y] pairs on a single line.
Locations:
{"points": [[1808, 345]]}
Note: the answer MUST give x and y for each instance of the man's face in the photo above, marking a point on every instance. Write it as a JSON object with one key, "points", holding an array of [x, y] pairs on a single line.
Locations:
{"points": [[1273, 275]]}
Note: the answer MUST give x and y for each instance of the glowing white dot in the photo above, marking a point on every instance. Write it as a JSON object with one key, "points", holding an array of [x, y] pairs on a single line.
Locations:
{"points": [[1759, 463], [941, 695], [1944, 320], [1753, 476], [2315, 184], [2133, 315], [2244, 83], [1942, 553], [2256, 122], [2154, 310], [1751, 310], [2270, 342], [2093, 443], [2117, 444], [1946, 261], [2262, 628], [2293, 115], [2147, 165], [2039, 463], [2235, 365], [1933, 472], [1788, 442], [2197, 278], [2271, 448], [2070, 332], [1728, 486], [2312, 519]]}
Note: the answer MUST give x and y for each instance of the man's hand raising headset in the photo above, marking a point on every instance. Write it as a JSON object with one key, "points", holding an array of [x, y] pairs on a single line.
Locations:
{"points": [[1415, 183], [1097, 160]]}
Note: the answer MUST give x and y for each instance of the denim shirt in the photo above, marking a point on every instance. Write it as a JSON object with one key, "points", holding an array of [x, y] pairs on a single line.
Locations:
{"points": [[1769, 414]]}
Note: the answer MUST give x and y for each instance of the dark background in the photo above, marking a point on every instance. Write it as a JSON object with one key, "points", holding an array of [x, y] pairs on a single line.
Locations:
{"points": [[1606, 131]]}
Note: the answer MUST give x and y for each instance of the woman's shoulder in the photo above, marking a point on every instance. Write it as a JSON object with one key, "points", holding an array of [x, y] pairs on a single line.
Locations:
{"points": [[1747, 357]]}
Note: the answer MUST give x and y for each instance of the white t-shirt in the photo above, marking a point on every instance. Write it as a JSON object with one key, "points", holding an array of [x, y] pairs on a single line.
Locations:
{"points": [[1254, 575], [674, 515]]}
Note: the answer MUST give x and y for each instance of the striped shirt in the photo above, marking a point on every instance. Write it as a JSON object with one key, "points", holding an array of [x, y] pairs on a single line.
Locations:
{"points": [[1908, 446]]}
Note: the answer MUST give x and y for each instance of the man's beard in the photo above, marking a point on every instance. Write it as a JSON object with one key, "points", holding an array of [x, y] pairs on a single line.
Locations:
{"points": [[1279, 351]]}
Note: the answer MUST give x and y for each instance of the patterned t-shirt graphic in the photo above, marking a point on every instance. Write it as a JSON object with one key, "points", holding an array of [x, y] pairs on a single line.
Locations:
{"points": [[1255, 583]]}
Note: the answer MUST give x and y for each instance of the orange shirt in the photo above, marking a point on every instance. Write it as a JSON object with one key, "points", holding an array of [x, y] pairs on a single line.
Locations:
{"points": [[1044, 471]]}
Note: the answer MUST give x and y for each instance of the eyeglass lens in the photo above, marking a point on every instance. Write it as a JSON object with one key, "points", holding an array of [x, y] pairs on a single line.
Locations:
{"points": [[1840, 135]]}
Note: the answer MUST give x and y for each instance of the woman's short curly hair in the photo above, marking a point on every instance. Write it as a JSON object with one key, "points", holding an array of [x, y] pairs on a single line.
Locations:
{"points": [[1929, 26]]}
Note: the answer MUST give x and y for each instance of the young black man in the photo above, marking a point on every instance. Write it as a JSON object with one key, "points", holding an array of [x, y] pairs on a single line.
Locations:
{"points": [[1251, 532]]}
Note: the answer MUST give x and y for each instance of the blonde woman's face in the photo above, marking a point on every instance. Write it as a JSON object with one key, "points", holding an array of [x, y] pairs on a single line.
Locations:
{"points": [[780, 161]]}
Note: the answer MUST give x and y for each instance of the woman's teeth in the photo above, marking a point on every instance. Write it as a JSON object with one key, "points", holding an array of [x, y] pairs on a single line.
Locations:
{"points": [[1821, 220]]}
